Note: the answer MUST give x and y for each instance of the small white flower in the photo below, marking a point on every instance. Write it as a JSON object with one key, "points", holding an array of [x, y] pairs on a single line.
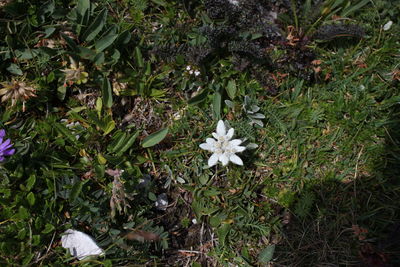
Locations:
{"points": [[196, 73], [80, 245], [388, 25], [188, 67], [223, 148]]}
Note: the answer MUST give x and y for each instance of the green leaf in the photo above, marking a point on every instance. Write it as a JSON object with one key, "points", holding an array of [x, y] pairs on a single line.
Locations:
{"points": [[231, 89], [107, 93], [109, 127], [71, 43], [99, 106], [31, 198], [217, 105], [100, 159], [353, 8], [105, 42], [65, 132], [155, 138], [94, 28], [99, 58], [160, 2], [22, 213], [30, 182], [14, 69], [82, 7], [27, 259], [61, 92], [118, 142], [222, 232], [49, 31], [75, 191], [86, 53], [198, 98], [204, 179], [266, 254], [152, 196], [139, 57], [129, 142], [124, 38], [48, 228], [99, 170]]}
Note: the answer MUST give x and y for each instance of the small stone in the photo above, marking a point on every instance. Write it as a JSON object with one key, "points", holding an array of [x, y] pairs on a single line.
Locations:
{"points": [[162, 202], [388, 25]]}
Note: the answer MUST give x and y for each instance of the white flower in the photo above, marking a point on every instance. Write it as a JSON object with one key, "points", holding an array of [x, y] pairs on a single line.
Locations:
{"points": [[222, 147], [196, 73], [80, 245], [388, 25]]}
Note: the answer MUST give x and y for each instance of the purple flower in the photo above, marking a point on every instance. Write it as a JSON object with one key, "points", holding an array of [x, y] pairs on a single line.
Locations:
{"points": [[6, 146]]}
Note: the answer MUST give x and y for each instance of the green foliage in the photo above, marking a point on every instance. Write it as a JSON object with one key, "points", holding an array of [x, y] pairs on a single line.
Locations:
{"points": [[125, 91]]}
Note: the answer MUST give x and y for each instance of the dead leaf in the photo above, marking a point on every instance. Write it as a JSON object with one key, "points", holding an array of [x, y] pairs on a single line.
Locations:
{"points": [[316, 62], [141, 236]]}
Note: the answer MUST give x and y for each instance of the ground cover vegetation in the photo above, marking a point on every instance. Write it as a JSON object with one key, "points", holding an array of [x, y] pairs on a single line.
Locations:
{"points": [[107, 115]]}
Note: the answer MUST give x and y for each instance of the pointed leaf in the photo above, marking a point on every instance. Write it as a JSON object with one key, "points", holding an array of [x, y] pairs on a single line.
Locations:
{"points": [[14, 69], [155, 138], [82, 6], [107, 93], [266, 254], [129, 142], [217, 105], [200, 97], [75, 191], [31, 198], [231, 89], [105, 42], [138, 57], [96, 26]]}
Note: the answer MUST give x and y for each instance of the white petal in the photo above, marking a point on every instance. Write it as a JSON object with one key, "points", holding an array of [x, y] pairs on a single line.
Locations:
{"points": [[215, 136], [238, 149], [235, 142], [80, 245], [213, 160], [224, 159], [211, 141], [221, 128], [207, 147], [235, 159], [230, 133]]}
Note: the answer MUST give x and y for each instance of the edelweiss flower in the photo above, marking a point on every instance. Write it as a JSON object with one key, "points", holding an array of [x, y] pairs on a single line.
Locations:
{"points": [[222, 147], [5, 147]]}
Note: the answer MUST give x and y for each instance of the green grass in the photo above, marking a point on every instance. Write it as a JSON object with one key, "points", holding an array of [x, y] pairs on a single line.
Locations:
{"points": [[321, 189]]}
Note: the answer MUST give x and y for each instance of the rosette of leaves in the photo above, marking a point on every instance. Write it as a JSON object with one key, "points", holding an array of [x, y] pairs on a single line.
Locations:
{"points": [[250, 109], [98, 41], [93, 40]]}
